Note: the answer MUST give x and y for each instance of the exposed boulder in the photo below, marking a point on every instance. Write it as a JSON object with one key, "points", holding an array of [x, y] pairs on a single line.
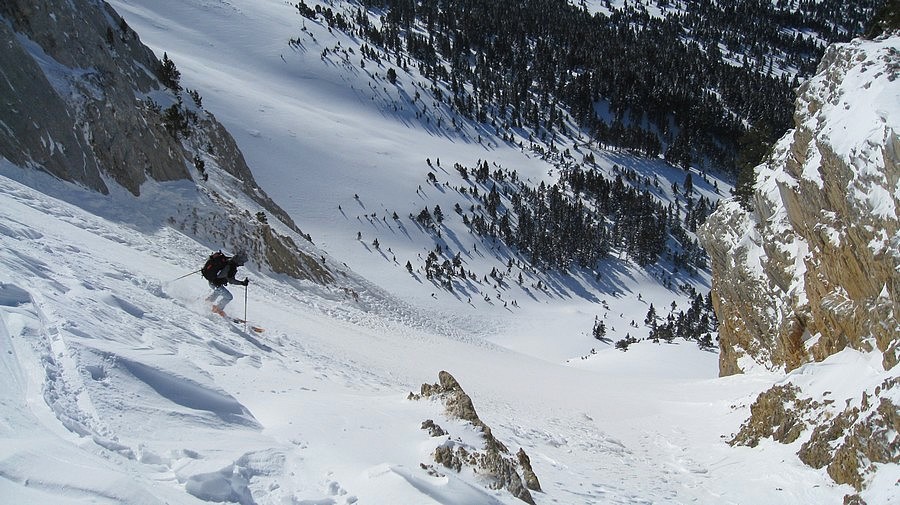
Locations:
{"points": [[433, 429], [493, 462], [850, 444], [776, 414], [531, 479]]}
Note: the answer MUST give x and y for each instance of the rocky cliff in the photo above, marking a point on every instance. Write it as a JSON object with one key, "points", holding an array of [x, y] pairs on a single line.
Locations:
{"points": [[814, 266], [75, 79], [84, 100], [811, 266]]}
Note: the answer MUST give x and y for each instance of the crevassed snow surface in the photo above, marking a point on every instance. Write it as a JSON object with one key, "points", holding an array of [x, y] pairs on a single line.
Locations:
{"points": [[118, 386]]}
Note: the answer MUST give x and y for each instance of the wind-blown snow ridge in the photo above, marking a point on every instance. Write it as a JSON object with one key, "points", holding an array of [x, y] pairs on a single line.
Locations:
{"points": [[188, 393]]}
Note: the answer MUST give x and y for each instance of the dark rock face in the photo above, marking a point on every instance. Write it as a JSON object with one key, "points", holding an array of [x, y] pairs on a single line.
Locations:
{"points": [[84, 100], [75, 79]]}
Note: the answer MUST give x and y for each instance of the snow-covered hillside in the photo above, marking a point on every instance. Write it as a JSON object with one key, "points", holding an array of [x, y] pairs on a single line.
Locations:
{"points": [[325, 141], [119, 386]]}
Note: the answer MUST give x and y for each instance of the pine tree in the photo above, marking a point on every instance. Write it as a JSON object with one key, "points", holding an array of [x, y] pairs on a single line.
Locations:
{"points": [[169, 74], [753, 147], [650, 320], [175, 121], [600, 330]]}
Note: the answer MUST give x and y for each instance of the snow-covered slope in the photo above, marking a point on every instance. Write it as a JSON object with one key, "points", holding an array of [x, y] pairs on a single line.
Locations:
{"points": [[342, 150], [120, 387]]}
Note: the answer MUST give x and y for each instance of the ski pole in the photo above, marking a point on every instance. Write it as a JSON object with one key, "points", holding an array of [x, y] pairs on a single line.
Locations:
{"points": [[246, 289], [185, 275]]}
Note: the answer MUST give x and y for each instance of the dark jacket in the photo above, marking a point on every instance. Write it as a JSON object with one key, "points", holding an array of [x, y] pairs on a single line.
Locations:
{"points": [[227, 275]]}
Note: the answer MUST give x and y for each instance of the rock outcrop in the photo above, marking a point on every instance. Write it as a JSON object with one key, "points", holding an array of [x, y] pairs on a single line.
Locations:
{"points": [[493, 462], [814, 266], [851, 444], [85, 101], [75, 75], [811, 267]]}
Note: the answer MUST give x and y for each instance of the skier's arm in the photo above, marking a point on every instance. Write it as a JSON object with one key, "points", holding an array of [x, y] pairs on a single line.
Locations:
{"points": [[232, 280]]}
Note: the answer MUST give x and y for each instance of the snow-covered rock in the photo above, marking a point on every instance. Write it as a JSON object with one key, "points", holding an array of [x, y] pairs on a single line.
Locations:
{"points": [[498, 468], [813, 267]]}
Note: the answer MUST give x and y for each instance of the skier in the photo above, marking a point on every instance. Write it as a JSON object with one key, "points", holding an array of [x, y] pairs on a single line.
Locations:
{"points": [[220, 270]]}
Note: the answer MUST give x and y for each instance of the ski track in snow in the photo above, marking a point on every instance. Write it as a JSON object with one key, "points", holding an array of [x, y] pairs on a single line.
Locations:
{"points": [[89, 341], [99, 329]]}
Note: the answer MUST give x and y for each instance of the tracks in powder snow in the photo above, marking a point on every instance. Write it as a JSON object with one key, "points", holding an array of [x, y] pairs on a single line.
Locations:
{"points": [[121, 372], [90, 347]]}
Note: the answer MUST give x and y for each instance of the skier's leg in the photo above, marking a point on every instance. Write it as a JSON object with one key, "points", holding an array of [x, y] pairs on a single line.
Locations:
{"points": [[221, 298], [214, 294], [226, 298]]}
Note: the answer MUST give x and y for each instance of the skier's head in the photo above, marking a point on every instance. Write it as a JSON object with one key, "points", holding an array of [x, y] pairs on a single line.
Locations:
{"points": [[239, 258]]}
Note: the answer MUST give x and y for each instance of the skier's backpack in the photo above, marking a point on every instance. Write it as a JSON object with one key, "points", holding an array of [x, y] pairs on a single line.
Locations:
{"points": [[210, 271]]}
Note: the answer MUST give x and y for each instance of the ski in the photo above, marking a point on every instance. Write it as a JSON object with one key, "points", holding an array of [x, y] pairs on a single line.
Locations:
{"points": [[255, 329]]}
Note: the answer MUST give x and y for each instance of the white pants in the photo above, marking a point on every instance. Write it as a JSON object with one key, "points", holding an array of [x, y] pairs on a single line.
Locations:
{"points": [[220, 297]]}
